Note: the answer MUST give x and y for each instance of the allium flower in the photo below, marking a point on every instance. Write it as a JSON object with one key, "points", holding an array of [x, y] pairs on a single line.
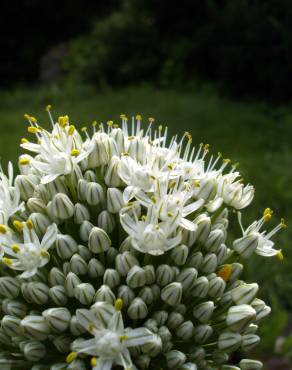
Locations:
{"points": [[114, 253]]}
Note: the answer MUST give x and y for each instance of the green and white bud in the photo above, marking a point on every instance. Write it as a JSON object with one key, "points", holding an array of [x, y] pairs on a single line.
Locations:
{"points": [[81, 213], [82, 189], [156, 291], [111, 255], [84, 230], [150, 274], [214, 240], [216, 287], [164, 334], [143, 362], [251, 329], [154, 347], [196, 260], [94, 193], [247, 364], [124, 262], [104, 294], [36, 205], [115, 200], [95, 268], [152, 325], [71, 282], [103, 311], [84, 252], [185, 330], [9, 287], [246, 245], [180, 254], [84, 293], [75, 327], [111, 278], [77, 265], [40, 222], [58, 319], [220, 357], [106, 221], [137, 309], [236, 271], [204, 311], [202, 333], [56, 187], [187, 277], [90, 176], [188, 366], [160, 317], [38, 292], [172, 294], [112, 178], [198, 354], [189, 236], [10, 325], [261, 314], [200, 287], [147, 295], [164, 275], [174, 320], [203, 223], [35, 327], [25, 185], [126, 293], [34, 350], [229, 342], [63, 343], [175, 359], [249, 341], [66, 246], [62, 207], [136, 277], [239, 317], [58, 295], [99, 241], [14, 308], [244, 293], [222, 253], [209, 263]]}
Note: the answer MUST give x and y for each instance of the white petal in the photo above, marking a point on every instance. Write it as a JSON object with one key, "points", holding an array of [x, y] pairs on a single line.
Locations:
{"points": [[190, 208], [138, 337], [128, 224], [116, 322], [103, 364], [49, 237], [187, 224], [86, 319]]}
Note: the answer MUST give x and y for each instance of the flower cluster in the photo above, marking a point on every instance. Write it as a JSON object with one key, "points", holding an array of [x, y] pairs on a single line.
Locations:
{"points": [[114, 252]]}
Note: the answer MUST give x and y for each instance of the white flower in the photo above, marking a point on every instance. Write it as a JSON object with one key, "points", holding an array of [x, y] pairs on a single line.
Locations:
{"points": [[31, 254], [111, 340]]}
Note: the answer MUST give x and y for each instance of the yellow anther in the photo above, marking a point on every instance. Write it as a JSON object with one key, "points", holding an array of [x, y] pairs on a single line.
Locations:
{"points": [[71, 357], [90, 327], [225, 272], [122, 116], [226, 160], [26, 116], [44, 253], [18, 225], [15, 248], [279, 255], [29, 224], [84, 128], [63, 120], [24, 161], [48, 107], [153, 199], [3, 229], [32, 130], [24, 140], [119, 304], [267, 216], [160, 128], [138, 117], [143, 218], [267, 210], [219, 154], [206, 146], [124, 337], [33, 119], [7, 261], [71, 130], [115, 125], [93, 361], [170, 214], [75, 152], [151, 119], [110, 123], [94, 123], [283, 224]]}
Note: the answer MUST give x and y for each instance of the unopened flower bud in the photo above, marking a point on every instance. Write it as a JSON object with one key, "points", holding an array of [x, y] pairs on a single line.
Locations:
{"points": [[112, 177], [187, 277], [143, 362], [185, 330], [84, 293], [58, 319], [175, 359], [214, 240], [147, 295], [249, 341], [35, 327], [114, 200], [216, 287], [98, 241], [152, 325], [164, 334], [111, 278], [244, 293], [34, 350], [189, 366], [136, 277], [229, 341], [90, 176], [10, 325], [56, 187], [200, 287], [179, 254], [203, 223], [137, 309], [14, 308], [9, 287], [58, 295], [78, 265], [126, 294], [189, 236], [105, 294], [196, 260], [38, 292], [71, 282], [82, 189], [40, 222], [239, 317], [164, 275], [66, 246], [202, 333], [25, 185], [106, 221], [62, 343], [94, 193], [220, 357], [251, 329], [124, 262], [85, 229], [75, 327], [62, 207], [209, 263], [154, 347], [111, 255], [81, 213], [247, 364], [160, 317], [103, 311], [36, 205], [237, 269], [261, 314], [174, 320], [172, 294], [150, 274], [222, 253], [95, 268], [204, 311]]}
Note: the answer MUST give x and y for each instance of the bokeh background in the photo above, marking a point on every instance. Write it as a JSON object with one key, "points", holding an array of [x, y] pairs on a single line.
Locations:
{"points": [[219, 69]]}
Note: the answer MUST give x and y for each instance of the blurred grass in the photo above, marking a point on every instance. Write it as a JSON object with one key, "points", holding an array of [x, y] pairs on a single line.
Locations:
{"points": [[254, 134]]}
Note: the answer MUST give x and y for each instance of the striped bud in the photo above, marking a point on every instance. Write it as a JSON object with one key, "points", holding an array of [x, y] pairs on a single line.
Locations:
{"points": [[103, 311], [35, 327], [189, 366], [81, 213], [90, 176], [202, 333], [71, 282], [82, 189], [247, 364], [115, 200], [62, 343], [10, 325], [136, 277], [105, 294], [164, 275], [214, 240], [99, 241], [172, 294], [94, 193], [189, 236], [147, 295], [25, 185], [204, 311], [14, 308], [244, 293], [84, 252], [179, 254], [198, 354], [58, 319], [203, 223], [249, 341], [66, 246], [156, 291], [62, 207], [258, 304], [262, 313], [56, 187], [216, 287], [84, 293], [40, 222], [112, 178], [154, 347], [160, 317], [38, 292], [150, 274], [9, 287], [143, 362], [220, 357], [152, 325], [246, 245], [85, 229], [187, 277], [229, 342], [164, 334], [174, 320], [222, 253], [200, 287], [209, 263], [126, 294], [111, 278], [75, 327], [78, 265], [58, 295], [106, 221], [251, 329], [111, 255], [124, 262], [185, 330], [36, 205], [195, 260], [239, 317], [95, 268], [175, 359], [34, 350], [137, 309]]}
